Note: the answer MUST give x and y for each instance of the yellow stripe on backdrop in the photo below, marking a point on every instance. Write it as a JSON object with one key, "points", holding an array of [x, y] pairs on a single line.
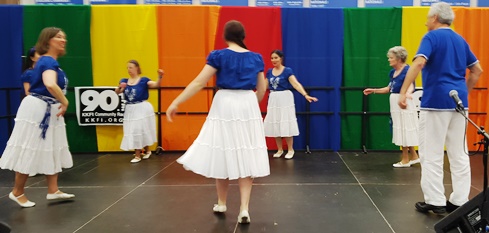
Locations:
{"points": [[119, 34], [413, 30]]}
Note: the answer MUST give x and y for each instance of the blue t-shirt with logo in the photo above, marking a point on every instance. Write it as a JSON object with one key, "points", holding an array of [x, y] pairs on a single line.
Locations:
{"points": [[236, 70], [396, 83], [47, 63], [138, 92], [448, 55], [281, 81]]}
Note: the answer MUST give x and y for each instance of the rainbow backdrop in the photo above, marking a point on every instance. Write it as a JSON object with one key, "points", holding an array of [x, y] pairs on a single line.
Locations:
{"points": [[338, 48]]}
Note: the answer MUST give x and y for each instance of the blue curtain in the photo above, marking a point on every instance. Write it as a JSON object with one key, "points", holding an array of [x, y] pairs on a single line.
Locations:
{"points": [[11, 67], [313, 47]]}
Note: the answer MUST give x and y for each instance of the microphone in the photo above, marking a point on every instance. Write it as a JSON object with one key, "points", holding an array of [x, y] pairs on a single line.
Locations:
{"points": [[454, 95]]}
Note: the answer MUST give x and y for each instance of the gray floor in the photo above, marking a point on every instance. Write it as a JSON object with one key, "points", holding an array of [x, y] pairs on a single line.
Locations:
{"points": [[320, 192]]}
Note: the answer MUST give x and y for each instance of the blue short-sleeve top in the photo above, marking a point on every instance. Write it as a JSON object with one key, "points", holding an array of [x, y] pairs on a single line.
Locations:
{"points": [[27, 75], [236, 70], [43, 64], [281, 81], [395, 83], [138, 92], [448, 56]]}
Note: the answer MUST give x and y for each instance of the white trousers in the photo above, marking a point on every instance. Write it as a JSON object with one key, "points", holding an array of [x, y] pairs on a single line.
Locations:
{"points": [[436, 130]]}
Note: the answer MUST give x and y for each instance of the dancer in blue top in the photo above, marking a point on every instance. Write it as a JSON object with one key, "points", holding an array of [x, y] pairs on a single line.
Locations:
{"points": [[404, 121], [281, 121], [139, 118], [444, 57], [30, 62], [38, 144], [231, 144]]}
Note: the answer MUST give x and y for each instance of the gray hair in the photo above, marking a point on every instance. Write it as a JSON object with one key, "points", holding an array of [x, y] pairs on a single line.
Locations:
{"points": [[444, 12], [399, 52]]}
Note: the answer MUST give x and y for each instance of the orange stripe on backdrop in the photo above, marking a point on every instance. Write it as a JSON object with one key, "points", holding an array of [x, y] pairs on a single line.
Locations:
{"points": [[185, 38], [472, 25], [119, 34], [263, 34]]}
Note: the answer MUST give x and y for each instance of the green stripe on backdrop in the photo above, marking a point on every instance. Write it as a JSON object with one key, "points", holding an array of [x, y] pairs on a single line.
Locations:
{"points": [[369, 33], [77, 63]]}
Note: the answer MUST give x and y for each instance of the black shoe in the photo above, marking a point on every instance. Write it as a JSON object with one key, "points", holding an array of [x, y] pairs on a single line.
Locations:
{"points": [[423, 207], [451, 207]]}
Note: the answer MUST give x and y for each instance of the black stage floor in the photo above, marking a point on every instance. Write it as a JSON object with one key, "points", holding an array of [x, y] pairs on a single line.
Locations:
{"points": [[319, 192]]}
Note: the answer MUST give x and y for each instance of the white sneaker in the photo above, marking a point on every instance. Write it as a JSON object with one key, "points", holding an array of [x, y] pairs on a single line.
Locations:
{"points": [[400, 164], [244, 217], [136, 160], [59, 196], [278, 154], [26, 204], [416, 161], [290, 154], [219, 208], [146, 155]]}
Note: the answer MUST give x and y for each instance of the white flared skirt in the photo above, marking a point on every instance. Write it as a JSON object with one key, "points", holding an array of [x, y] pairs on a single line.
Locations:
{"points": [[139, 126], [231, 143], [404, 122], [26, 151], [281, 120]]}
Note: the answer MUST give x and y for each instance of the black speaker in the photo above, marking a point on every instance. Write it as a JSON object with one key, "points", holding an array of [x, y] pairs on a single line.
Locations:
{"points": [[472, 217], [4, 228]]}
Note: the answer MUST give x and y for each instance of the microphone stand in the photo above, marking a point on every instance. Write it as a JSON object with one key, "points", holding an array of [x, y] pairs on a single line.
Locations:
{"points": [[485, 141]]}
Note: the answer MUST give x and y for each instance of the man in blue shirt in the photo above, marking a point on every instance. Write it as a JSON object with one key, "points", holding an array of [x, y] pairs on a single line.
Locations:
{"points": [[443, 56]]}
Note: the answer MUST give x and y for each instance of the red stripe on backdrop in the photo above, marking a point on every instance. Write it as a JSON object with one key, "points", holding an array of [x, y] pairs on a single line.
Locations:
{"points": [[263, 34]]}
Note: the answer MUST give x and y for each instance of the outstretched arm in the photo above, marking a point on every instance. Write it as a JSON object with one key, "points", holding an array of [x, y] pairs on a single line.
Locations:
{"points": [[298, 86], [382, 90], [196, 85]]}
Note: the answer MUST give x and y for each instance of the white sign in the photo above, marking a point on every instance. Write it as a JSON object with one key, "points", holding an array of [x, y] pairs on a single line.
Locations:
{"points": [[99, 106]]}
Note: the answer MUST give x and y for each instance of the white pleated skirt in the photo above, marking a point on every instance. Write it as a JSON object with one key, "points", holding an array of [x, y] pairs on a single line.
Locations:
{"points": [[404, 122], [26, 151], [281, 120], [231, 143], [139, 126]]}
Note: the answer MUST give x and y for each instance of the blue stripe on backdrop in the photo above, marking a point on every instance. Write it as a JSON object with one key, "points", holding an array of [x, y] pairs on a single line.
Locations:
{"points": [[10, 65], [390, 3], [483, 3], [313, 47], [333, 3]]}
